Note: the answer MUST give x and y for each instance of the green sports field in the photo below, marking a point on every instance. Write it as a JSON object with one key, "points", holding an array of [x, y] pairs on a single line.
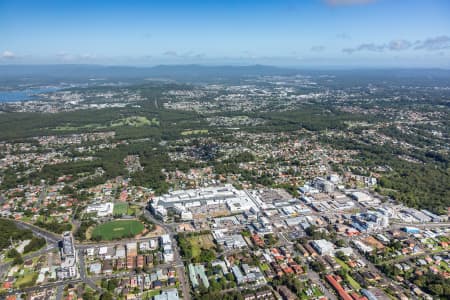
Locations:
{"points": [[118, 229], [120, 209]]}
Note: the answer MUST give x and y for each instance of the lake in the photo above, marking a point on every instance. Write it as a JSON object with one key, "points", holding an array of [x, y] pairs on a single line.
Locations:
{"points": [[24, 95]]}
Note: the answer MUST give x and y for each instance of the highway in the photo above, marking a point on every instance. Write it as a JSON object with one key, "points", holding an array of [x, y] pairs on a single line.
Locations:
{"points": [[53, 239], [49, 236]]}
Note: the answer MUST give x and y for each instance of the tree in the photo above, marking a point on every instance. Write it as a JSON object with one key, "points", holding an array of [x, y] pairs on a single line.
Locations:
{"points": [[271, 240], [106, 296], [230, 277], [436, 289], [214, 286], [15, 255], [341, 255], [18, 260], [35, 244], [341, 243], [317, 266], [112, 284], [88, 295]]}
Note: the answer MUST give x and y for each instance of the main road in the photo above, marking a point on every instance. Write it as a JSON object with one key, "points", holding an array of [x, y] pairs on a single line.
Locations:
{"points": [[53, 239], [178, 262]]}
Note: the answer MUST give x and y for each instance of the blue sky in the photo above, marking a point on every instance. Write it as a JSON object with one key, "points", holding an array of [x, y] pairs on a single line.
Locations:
{"points": [[314, 33]]}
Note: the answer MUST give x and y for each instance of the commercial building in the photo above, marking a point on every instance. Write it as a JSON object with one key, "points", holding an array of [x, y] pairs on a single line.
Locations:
{"points": [[361, 197], [68, 268], [166, 245], [183, 200], [196, 272], [323, 247], [234, 241], [370, 221], [411, 230], [171, 294], [101, 209]]}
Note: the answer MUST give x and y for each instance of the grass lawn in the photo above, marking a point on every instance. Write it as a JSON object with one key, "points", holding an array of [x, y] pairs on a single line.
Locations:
{"points": [[118, 229], [343, 264], [120, 209], [200, 242], [154, 121], [264, 267], [355, 285], [445, 266], [199, 131], [135, 121], [69, 127], [150, 294], [133, 209], [315, 292], [27, 280]]}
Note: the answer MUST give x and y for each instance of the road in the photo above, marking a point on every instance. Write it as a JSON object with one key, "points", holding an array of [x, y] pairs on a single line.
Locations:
{"points": [[314, 277], [398, 225], [5, 266], [59, 292], [43, 287], [53, 239], [415, 255], [49, 236], [178, 262], [42, 196], [84, 277], [85, 246]]}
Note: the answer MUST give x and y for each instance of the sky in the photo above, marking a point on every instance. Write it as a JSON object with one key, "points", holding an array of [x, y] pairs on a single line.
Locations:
{"points": [[296, 33]]}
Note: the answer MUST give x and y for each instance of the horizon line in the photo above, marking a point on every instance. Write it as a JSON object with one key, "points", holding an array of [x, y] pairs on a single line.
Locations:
{"points": [[291, 67]]}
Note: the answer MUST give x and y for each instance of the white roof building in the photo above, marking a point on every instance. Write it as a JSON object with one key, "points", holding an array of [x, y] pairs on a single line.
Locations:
{"points": [[171, 294], [102, 209], [323, 247], [361, 197], [102, 250]]}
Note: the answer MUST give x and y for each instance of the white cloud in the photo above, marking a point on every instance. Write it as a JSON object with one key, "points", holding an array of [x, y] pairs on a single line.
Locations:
{"points": [[365, 47], [185, 55], [438, 43], [398, 45], [432, 44], [70, 57], [8, 54]]}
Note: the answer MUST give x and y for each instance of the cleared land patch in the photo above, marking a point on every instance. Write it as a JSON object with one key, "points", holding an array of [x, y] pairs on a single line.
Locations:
{"points": [[198, 131], [134, 121], [200, 242]]}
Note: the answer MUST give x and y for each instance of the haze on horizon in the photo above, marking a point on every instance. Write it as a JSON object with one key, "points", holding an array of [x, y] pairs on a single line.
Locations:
{"points": [[312, 33]]}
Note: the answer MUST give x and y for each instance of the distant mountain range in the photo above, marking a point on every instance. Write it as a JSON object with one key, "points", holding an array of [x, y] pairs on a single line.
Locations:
{"points": [[162, 71], [197, 72]]}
